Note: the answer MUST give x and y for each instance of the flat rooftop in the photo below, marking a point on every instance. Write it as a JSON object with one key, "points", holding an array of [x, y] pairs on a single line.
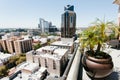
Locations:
{"points": [[39, 73], [50, 48], [31, 67], [23, 39], [57, 54], [4, 56], [27, 66], [26, 76], [61, 43]]}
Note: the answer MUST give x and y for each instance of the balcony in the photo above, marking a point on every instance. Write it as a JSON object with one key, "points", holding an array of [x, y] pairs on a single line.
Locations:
{"points": [[77, 72]]}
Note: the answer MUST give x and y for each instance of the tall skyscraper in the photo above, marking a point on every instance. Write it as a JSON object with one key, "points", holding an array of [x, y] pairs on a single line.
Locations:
{"points": [[68, 22], [46, 27], [43, 26]]}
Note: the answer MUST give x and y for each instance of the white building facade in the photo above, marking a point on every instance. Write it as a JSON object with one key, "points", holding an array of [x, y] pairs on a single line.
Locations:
{"points": [[50, 57]]}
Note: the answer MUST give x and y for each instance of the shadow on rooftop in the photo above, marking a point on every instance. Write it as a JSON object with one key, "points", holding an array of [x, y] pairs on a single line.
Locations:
{"points": [[112, 76], [118, 48]]}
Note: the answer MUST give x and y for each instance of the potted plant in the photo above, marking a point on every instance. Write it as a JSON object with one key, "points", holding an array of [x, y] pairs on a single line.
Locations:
{"points": [[96, 62]]}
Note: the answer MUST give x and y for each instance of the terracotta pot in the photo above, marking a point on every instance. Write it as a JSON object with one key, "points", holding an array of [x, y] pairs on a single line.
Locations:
{"points": [[97, 68]]}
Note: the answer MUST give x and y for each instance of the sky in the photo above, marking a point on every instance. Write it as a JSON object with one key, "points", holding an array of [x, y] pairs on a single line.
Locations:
{"points": [[26, 13]]}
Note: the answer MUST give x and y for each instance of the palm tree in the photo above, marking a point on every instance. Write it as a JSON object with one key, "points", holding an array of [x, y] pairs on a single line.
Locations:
{"points": [[87, 38], [95, 36]]}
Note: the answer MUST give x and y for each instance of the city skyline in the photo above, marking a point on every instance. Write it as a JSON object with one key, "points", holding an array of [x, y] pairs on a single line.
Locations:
{"points": [[26, 13]]}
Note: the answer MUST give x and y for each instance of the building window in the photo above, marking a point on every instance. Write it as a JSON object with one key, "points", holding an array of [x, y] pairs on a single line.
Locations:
{"points": [[33, 60], [39, 61], [54, 65], [46, 63], [45, 51], [49, 51], [71, 19]]}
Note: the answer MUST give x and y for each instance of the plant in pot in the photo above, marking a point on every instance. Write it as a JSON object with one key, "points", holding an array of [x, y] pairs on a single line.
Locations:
{"points": [[96, 62]]}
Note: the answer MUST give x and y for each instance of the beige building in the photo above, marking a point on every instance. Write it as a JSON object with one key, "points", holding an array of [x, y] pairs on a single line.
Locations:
{"points": [[10, 45], [50, 57], [3, 45], [16, 45], [23, 46]]}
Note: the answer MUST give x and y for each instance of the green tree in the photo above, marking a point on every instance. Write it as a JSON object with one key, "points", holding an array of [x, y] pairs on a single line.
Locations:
{"points": [[3, 71], [37, 46], [12, 62], [5, 51], [21, 59], [23, 54], [95, 36]]}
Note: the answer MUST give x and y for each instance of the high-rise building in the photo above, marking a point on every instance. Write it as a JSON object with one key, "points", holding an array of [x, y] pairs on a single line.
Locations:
{"points": [[68, 25], [46, 27], [43, 26], [52, 28]]}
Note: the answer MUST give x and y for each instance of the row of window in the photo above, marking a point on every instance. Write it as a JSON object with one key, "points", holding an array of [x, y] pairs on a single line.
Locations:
{"points": [[54, 64], [46, 64], [46, 51], [64, 47]]}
